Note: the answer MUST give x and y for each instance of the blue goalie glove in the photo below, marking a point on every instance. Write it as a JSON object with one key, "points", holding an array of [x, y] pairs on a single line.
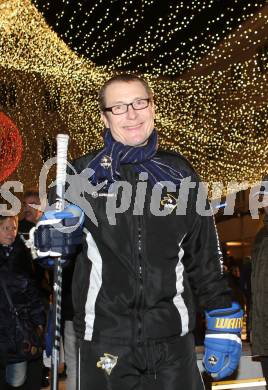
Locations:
{"points": [[222, 341], [58, 233]]}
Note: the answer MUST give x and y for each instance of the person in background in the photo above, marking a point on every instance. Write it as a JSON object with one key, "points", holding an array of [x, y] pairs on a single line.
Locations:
{"points": [[259, 292], [30, 214], [141, 276], [16, 273], [234, 281], [245, 285]]}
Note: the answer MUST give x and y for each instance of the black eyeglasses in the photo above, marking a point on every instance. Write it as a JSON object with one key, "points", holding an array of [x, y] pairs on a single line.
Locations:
{"points": [[119, 109]]}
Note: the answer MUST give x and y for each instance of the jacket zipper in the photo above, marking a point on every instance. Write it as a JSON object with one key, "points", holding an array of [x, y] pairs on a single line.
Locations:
{"points": [[140, 275]]}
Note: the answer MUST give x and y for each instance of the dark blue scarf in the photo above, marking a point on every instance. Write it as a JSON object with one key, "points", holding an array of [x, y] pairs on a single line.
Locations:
{"points": [[106, 164]]}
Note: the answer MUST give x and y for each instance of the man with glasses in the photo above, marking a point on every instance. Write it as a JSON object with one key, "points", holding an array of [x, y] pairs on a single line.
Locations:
{"points": [[141, 273]]}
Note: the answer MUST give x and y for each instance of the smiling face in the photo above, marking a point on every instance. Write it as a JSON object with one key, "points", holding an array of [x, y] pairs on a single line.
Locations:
{"points": [[134, 127]]}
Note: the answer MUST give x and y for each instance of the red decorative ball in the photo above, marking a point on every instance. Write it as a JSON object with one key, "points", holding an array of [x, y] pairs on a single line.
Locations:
{"points": [[10, 146]]}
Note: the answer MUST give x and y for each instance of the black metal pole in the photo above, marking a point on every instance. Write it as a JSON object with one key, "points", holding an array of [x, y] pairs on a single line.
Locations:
{"points": [[55, 357]]}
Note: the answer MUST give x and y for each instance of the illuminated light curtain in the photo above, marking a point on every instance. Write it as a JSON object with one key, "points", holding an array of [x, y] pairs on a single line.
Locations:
{"points": [[218, 121]]}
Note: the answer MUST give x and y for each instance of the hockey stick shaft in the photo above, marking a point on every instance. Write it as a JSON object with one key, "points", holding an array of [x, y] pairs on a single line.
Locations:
{"points": [[62, 147]]}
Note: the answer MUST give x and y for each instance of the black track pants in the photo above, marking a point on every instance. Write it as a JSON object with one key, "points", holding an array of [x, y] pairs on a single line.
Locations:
{"points": [[157, 366]]}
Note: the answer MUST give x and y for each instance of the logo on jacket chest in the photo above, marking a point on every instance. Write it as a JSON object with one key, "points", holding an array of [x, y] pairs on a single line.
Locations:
{"points": [[106, 162], [107, 362], [168, 201]]}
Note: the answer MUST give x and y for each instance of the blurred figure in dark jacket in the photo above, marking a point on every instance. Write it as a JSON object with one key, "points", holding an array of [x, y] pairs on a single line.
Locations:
{"points": [[30, 212], [16, 274], [245, 284], [259, 287]]}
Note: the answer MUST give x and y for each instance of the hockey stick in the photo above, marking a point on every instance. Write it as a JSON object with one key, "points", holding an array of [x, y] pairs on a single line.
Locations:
{"points": [[62, 146]]}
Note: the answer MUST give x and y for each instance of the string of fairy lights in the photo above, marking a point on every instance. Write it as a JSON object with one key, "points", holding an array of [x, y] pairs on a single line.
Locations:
{"points": [[243, 40], [162, 33], [171, 42], [218, 120]]}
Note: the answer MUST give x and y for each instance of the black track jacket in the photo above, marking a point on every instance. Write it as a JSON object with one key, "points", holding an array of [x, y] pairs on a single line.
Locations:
{"points": [[140, 276]]}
